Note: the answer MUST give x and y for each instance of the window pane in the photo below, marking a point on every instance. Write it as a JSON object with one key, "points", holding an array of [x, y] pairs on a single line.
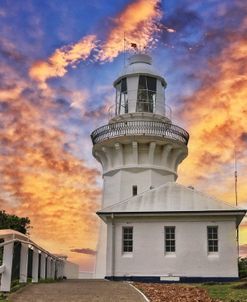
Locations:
{"points": [[134, 190], [210, 249], [151, 83], [127, 239], [213, 239], [170, 245], [124, 85], [142, 82]]}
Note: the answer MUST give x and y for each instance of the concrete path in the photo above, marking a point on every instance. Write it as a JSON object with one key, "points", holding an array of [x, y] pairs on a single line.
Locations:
{"points": [[78, 291]]}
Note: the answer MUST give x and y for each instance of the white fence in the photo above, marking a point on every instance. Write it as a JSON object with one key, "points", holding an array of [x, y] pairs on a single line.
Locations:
{"points": [[22, 258]]}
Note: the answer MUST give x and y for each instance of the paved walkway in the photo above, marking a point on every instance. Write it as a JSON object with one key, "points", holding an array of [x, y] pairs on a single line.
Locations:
{"points": [[78, 291]]}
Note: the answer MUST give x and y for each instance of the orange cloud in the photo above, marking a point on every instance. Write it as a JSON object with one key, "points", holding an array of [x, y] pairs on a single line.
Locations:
{"points": [[39, 178], [137, 24], [216, 115], [58, 63]]}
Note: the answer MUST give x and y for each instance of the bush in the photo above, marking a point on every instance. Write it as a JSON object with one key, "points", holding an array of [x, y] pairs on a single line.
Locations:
{"points": [[242, 266]]}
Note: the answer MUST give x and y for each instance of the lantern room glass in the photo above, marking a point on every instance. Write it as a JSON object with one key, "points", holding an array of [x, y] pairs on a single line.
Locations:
{"points": [[121, 97], [146, 94]]}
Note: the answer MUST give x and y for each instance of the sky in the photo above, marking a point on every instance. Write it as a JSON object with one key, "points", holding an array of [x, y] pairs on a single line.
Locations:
{"points": [[58, 60]]}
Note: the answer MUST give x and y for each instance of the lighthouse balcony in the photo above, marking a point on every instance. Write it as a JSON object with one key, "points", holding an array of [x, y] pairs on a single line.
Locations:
{"points": [[140, 128]]}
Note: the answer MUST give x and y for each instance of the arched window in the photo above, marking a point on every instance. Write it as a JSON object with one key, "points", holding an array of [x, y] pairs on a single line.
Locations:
{"points": [[146, 94]]}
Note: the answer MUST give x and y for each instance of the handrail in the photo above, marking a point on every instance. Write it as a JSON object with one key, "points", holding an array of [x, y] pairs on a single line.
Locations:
{"points": [[140, 128], [33, 245], [23, 239]]}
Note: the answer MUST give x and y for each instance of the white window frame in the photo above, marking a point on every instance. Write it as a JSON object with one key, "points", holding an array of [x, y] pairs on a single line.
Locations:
{"points": [[213, 240], [127, 240], [168, 237]]}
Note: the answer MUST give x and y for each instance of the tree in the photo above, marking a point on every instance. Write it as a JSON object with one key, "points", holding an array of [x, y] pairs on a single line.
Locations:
{"points": [[242, 264], [20, 224]]}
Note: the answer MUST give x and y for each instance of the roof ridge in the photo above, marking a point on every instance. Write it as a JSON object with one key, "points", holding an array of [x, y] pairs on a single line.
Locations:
{"points": [[209, 195], [166, 187]]}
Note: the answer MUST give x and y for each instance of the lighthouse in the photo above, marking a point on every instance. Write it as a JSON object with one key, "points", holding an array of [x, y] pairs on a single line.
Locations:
{"points": [[144, 211]]}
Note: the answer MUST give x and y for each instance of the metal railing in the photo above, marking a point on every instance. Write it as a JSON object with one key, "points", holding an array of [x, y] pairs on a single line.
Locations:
{"points": [[140, 128]]}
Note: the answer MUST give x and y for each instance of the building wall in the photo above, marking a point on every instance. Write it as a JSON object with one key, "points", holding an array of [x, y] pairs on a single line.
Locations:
{"points": [[86, 275], [118, 186], [71, 270], [191, 258]]}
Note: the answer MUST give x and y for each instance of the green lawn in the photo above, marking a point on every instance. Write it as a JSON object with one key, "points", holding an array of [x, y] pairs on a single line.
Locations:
{"points": [[227, 292], [2, 297]]}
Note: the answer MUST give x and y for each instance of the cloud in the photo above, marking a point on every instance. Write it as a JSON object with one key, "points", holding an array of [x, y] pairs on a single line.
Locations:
{"points": [[243, 137], [58, 63], [243, 250], [39, 177], [86, 251], [137, 23], [215, 117], [9, 51]]}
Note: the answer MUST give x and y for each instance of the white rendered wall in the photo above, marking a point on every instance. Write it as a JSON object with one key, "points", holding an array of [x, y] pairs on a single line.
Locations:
{"points": [[100, 265], [71, 270], [118, 187], [144, 163], [191, 258]]}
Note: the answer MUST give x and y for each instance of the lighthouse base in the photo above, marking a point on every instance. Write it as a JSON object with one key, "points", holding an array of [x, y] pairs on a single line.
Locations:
{"points": [[100, 266]]}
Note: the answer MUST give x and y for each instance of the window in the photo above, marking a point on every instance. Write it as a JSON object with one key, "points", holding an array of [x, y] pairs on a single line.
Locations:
{"points": [[121, 97], [212, 239], [170, 239], [146, 95], [134, 190], [127, 239]]}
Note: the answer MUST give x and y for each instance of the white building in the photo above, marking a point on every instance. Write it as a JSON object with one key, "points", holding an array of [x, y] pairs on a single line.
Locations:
{"points": [[154, 228]]}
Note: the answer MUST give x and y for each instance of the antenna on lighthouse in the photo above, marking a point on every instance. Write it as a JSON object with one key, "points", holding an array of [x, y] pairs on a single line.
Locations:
{"points": [[236, 188], [124, 46], [236, 176]]}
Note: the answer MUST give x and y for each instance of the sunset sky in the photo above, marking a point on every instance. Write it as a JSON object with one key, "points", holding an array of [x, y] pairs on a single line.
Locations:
{"points": [[58, 60]]}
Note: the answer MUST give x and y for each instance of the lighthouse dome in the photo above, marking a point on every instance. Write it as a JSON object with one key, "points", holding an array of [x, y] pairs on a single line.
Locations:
{"points": [[140, 64]]}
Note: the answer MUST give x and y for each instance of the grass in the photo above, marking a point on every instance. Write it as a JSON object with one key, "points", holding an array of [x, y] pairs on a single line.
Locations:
{"points": [[227, 292], [3, 297]]}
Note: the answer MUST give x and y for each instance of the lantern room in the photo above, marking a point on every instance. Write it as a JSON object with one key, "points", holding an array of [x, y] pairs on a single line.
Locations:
{"points": [[140, 88]]}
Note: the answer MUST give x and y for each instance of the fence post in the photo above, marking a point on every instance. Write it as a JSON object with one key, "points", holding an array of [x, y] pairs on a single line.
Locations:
{"points": [[35, 268], [7, 261], [42, 266], [58, 270], [53, 268], [24, 263], [48, 267], [62, 268]]}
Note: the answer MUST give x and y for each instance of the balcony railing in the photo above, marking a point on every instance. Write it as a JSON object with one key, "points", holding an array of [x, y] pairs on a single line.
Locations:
{"points": [[140, 128]]}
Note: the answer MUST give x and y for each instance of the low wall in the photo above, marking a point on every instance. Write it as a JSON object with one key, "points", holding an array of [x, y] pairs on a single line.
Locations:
{"points": [[71, 270]]}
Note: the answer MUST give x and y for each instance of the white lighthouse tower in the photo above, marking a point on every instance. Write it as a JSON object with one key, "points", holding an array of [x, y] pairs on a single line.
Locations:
{"points": [[140, 148], [153, 228]]}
